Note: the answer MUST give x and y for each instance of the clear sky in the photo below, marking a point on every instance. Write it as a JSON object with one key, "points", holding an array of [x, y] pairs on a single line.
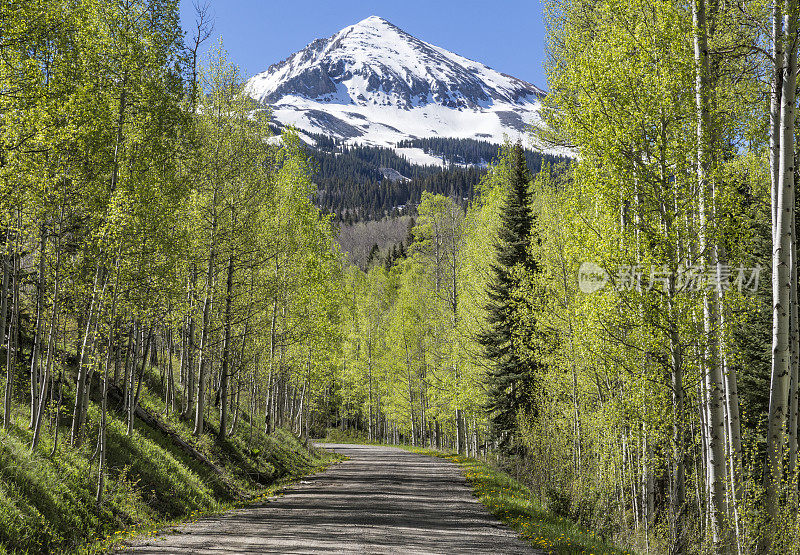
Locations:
{"points": [[507, 35]]}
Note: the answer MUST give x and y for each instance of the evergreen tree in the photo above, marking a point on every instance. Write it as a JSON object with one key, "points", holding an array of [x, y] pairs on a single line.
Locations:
{"points": [[374, 253], [512, 377]]}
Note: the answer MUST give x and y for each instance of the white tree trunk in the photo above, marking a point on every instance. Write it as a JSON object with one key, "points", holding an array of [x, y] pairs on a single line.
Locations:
{"points": [[776, 89], [36, 353], [43, 393], [711, 361], [204, 354], [781, 274], [794, 338]]}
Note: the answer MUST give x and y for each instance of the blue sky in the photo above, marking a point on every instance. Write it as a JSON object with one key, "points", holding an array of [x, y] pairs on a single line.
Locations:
{"points": [[507, 35]]}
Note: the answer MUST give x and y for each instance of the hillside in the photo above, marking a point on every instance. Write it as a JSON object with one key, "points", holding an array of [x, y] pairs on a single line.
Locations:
{"points": [[357, 182], [156, 474]]}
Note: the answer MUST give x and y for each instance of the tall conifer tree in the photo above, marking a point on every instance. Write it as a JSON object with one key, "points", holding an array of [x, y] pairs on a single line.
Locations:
{"points": [[512, 377]]}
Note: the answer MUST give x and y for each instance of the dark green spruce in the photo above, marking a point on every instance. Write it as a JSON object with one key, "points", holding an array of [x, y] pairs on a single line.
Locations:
{"points": [[512, 379]]}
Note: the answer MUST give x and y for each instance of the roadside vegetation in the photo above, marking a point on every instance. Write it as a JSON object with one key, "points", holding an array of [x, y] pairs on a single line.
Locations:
{"points": [[158, 475], [166, 283], [623, 328]]}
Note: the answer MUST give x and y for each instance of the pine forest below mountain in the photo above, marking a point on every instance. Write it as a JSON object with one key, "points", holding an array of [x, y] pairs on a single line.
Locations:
{"points": [[352, 184], [369, 206]]}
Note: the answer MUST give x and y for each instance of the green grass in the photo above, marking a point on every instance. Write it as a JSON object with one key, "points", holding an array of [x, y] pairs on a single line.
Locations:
{"points": [[513, 503], [336, 435], [47, 504], [120, 538]]}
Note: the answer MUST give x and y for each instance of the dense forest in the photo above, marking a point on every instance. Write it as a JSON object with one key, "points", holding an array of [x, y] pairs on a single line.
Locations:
{"points": [[353, 186], [164, 270], [353, 201], [619, 329], [474, 152]]}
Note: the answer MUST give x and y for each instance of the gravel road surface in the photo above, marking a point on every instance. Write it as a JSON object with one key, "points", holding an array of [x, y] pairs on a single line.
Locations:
{"points": [[381, 500]]}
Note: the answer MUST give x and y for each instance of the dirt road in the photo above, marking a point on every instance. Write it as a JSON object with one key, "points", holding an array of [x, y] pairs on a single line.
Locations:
{"points": [[381, 500]]}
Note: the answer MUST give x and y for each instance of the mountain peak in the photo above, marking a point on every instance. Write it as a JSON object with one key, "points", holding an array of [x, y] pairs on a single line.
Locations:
{"points": [[372, 34], [373, 21], [375, 75], [375, 25]]}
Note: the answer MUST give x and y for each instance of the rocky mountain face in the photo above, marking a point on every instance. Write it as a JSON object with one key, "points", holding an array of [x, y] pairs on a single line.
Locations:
{"points": [[373, 83]]}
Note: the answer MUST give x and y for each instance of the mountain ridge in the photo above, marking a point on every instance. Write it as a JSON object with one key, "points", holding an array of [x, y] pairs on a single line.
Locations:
{"points": [[373, 83]]}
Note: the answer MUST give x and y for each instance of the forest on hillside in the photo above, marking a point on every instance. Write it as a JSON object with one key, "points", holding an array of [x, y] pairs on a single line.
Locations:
{"points": [[352, 186], [619, 330]]}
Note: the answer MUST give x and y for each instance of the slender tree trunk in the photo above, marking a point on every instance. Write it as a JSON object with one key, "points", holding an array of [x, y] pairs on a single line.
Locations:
{"points": [[146, 360], [410, 393], [705, 452], [38, 332], [678, 508], [83, 364], [369, 369], [733, 420], [169, 386], [781, 274], [94, 361], [794, 342], [101, 466], [4, 300], [131, 361], [189, 386], [138, 353], [273, 336], [135, 391], [12, 344], [112, 332], [226, 353], [648, 490], [731, 396], [776, 90], [204, 334], [130, 376], [716, 449], [303, 391], [236, 410], [678, 498], [43, 393], [712, 365], [57, 411]]}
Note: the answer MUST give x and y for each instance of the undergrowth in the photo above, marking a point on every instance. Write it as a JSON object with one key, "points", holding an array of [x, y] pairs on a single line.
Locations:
{"points": [[47, 502], [336, 435]]}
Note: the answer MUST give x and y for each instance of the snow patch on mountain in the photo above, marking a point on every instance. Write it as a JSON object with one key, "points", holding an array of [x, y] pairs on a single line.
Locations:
{"points": [[393, 175], [419, 157]]}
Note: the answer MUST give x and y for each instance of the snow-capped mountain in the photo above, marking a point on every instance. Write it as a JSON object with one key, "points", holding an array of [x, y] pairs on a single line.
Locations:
{"points": [[373, 83]]}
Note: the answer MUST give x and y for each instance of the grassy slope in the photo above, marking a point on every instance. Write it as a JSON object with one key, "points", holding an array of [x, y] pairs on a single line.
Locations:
{"points": [[47, 503]]}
